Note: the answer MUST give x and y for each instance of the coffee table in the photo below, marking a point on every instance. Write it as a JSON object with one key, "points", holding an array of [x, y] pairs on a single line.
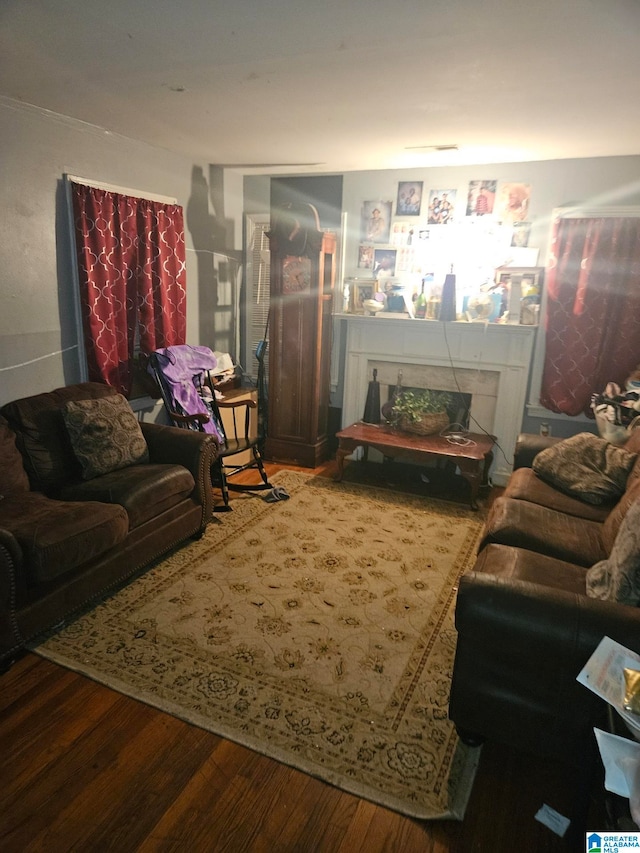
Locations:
{"points": [[473, 457]]}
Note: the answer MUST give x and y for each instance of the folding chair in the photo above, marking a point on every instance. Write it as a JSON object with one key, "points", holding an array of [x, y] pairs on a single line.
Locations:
{"points": [[185, 377]]}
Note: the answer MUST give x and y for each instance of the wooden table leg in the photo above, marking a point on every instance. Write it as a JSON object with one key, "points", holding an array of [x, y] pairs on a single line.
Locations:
{"points": [[475, 473], [471, 470], [346, 446]]}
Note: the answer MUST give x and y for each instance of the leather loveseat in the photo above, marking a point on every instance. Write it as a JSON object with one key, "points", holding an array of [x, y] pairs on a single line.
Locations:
{"points": [[69, 534], [526, 625]]}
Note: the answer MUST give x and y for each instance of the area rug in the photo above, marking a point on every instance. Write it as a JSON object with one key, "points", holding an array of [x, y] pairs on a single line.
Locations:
{"points": [[316, 630]]}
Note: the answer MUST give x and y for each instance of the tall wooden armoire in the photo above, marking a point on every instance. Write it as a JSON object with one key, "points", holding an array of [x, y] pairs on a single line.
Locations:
{"points": [[302, 281]]}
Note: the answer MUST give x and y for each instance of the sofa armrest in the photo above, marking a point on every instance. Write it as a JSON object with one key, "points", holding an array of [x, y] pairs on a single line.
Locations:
{"points": [[196, 451], [561, 623], [10, 559], [528, 445], [520, 647]]}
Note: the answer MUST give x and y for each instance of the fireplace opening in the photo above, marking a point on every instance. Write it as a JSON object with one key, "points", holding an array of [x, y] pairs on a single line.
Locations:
{"points": [[459, 410]]}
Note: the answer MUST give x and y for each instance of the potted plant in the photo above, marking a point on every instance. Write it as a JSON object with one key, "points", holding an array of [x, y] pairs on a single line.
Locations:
{"points": [[420, 411]]}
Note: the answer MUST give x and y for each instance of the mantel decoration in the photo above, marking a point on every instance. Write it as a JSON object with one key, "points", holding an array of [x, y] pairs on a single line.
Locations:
{"points": [[422, 412]]}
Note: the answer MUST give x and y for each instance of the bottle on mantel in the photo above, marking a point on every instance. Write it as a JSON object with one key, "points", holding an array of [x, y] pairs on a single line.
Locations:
{"points": [[420, 308]]}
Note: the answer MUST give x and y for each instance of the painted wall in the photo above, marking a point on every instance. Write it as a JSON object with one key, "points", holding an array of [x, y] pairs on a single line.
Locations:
{"points": [[607, 181], [38, 329]]}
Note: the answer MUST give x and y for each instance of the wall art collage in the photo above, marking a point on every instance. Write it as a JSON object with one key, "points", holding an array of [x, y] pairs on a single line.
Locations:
{"points": [[427, 234], [392, 229]]}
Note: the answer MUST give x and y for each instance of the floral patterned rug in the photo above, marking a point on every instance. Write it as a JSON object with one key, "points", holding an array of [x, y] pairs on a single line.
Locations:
{"points": [[316, 630]]}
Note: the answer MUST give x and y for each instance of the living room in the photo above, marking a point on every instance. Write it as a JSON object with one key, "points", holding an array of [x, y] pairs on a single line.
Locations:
{"points": [[41, 342]]}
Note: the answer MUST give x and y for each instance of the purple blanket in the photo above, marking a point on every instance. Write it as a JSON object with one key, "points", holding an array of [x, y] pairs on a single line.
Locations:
{"points": [[182, 369]]}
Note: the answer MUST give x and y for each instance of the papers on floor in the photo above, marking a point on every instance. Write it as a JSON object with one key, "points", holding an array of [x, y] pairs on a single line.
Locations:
{"points": [[553, 820]]}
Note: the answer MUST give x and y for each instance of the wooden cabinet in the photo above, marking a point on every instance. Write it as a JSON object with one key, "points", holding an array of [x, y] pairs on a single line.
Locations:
{"points": [[302, 283]]}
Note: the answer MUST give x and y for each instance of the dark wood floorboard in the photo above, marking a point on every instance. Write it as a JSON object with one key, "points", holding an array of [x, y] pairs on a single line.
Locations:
{"points": [[87, 769]]}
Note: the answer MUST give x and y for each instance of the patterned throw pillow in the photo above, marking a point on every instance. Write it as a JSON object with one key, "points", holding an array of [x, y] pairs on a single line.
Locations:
{"points": [[618, 577], [586, 467], [104, 434]]}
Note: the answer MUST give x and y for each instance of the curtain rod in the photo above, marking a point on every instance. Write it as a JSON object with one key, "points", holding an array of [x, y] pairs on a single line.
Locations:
{"points": [[114, 188]]}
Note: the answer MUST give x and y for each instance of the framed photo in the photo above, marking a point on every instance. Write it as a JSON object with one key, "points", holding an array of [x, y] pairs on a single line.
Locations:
{"points": [[365, 257], [402, 234], [512, 203], [441, 205], [376, 221], [359, 293], [531, 279], [481, 197], [384, 263], [521, 231], [409, 198]]}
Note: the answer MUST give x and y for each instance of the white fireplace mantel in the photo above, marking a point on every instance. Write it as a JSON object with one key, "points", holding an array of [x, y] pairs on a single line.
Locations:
{"points": [[474, 351]]}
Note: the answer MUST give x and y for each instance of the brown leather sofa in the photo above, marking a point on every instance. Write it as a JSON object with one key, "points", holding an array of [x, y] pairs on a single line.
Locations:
{"points": [[525, 623], [66, 541]]}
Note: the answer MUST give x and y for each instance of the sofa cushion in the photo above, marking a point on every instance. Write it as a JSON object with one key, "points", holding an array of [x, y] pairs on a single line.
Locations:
{"points": [[14, 477], [518, 564], [525, 485], [527, 525], [587, 467], [145, 491], [618, 577], [58, 536], [41, 436], [105, 435]]}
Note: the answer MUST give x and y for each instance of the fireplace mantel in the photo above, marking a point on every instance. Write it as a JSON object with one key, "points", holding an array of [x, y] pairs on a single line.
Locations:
{"points": [[499, 351]]}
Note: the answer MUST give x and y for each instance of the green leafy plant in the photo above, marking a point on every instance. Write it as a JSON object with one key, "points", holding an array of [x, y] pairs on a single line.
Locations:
{"points": [[412, 405]]}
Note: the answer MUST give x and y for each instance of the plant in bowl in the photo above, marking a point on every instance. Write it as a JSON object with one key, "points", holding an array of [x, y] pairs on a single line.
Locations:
{"points": [[420, 411]]}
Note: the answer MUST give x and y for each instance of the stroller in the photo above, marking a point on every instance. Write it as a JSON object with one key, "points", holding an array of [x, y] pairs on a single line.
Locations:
{"points": [[185, 376]]}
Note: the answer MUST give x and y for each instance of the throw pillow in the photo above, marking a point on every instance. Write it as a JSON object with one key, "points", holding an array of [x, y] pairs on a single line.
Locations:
{"points": [[618, 577], [586, 466], [105, 435]]}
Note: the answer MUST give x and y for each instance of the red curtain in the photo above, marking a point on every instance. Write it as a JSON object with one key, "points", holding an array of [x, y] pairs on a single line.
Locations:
{"points": [[131, 264], [593, 310]]}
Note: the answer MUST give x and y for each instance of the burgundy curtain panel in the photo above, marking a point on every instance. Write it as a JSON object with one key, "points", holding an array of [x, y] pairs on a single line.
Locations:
{"points": [[593, 310], [132, 271]]}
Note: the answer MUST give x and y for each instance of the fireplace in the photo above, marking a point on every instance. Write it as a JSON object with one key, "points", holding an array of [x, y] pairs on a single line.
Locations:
{"points": [[490, 362], [474, 392]]}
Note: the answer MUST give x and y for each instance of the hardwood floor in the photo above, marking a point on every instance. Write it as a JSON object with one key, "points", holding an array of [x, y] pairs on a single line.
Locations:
{"points": [[88, 769]]}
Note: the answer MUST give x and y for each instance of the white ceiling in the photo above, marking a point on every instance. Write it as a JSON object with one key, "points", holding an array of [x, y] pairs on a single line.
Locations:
{"points": [[338, 85]]}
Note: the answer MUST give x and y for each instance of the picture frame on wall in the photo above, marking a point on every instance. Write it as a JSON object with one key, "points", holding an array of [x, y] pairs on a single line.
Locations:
{"points": [[512, 203], [365, 257], [376, 221], [481, 197], [521, 232], [441, 206], [409, 198], [384, 263]]}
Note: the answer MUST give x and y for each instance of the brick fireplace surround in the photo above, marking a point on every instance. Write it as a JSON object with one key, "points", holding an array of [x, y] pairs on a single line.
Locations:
{"points": [[490, 361]]}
